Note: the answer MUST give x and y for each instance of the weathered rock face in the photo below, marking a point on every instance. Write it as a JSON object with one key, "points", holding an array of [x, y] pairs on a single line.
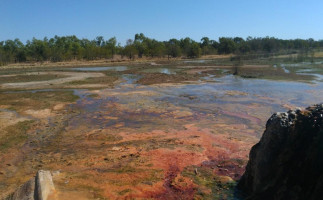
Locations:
{"points": [[39, 188], [287, 163]]}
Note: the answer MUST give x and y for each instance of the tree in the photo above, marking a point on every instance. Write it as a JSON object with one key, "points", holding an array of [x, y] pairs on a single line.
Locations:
{"points": [[156, 48], [173, 48], [70, 47], [76, 50], [2, 56], [226, 46], [190, 48], [99, 41], [205, 45], [130, 50], [38, 50], [194, 51], [13, 51], [185, 45], [112, 45]]}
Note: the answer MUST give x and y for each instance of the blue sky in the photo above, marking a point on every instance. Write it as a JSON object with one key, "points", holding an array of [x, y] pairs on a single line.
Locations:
{"points": [[161, 19]]}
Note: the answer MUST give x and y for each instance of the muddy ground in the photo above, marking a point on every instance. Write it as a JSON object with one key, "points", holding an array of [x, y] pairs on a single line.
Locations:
{"points": [[162, 130]]}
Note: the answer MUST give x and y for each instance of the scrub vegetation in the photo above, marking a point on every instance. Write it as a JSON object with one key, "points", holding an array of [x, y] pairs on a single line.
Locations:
{"points": [[71, 48]]}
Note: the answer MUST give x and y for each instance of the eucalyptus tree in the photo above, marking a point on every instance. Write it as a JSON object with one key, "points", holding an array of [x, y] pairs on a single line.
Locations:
{"points": [[227, 45], [190, 48], [112, 46], [38, 50], [140, 44], [173, 48], [130, 50]]}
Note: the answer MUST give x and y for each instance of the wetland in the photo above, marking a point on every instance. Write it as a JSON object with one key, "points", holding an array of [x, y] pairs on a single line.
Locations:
{"points": [[177, 129]]}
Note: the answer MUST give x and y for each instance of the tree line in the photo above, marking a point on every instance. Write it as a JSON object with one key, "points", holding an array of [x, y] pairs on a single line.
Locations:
{"points": [[69, 48]]}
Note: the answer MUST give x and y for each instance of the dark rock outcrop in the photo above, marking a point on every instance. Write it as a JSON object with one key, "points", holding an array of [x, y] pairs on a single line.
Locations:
{"points": [[287, 163]]}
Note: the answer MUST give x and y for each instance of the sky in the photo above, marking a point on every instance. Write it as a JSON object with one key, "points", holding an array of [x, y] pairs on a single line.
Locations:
{"points": [[161, 19]]}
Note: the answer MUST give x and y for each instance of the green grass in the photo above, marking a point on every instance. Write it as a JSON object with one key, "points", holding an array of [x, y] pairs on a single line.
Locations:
{"points": [[98, 80], [36, 100], [29, 78], [14, 135], [272, 73]]}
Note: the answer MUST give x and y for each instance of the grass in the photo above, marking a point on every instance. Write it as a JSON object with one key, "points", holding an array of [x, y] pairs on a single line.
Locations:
{"points": [[14, 135], [318, 54], [141, 176], [150, 144], [271, 73], [29, 78], [39, 100], [314, 68], [93, 96], [98, 80], [157, 78], [123, 192]]}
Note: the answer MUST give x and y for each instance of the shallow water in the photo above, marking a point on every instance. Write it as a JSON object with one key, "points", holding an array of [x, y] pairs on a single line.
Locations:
{"points": [[231, 96]]}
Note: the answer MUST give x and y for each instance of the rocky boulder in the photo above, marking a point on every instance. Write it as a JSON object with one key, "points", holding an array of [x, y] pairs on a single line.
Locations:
{"points": [[39, 188], [287, 163]]}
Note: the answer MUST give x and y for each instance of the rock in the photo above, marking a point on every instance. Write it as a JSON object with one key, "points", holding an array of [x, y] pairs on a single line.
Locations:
{"points": [[116, 148], [287, 163], [40, 187], [24, 192], [55, 173], [45, 185]]}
